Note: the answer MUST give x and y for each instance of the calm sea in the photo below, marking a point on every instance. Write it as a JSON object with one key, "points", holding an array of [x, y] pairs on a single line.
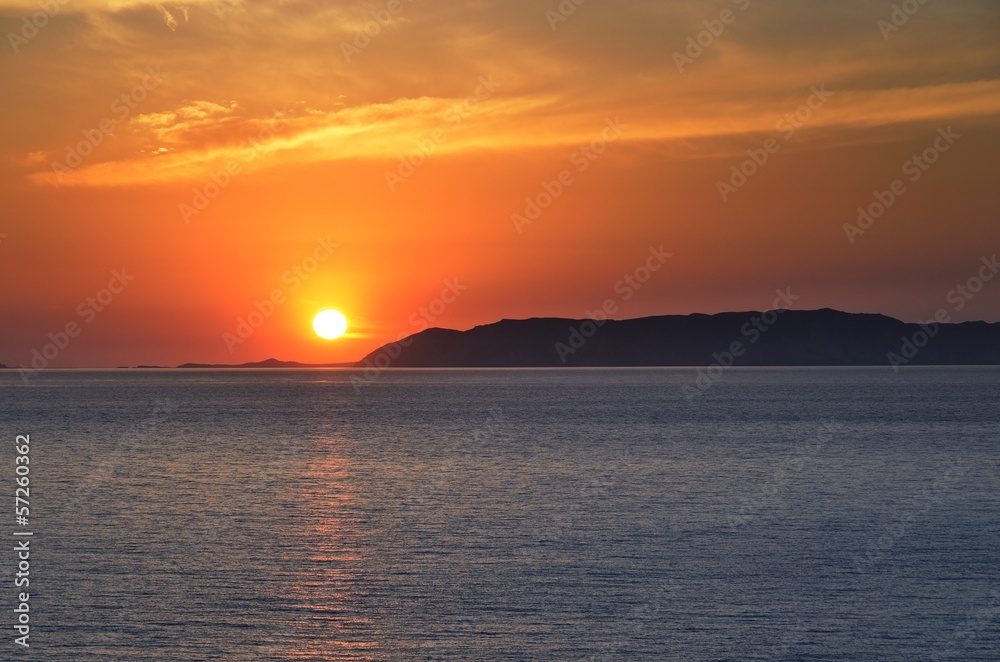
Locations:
{"points": [[783, 514]]}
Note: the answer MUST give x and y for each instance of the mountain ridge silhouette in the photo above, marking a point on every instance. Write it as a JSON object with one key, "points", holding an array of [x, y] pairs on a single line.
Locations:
{"points": [[793, 337]]}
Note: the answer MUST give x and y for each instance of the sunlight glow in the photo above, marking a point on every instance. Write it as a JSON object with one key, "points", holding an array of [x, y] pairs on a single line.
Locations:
{"points": [[330, 324]]}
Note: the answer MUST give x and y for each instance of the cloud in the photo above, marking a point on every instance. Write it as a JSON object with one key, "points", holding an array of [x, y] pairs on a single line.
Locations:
{"points": [[204, 135], [187, 123], [556, 87]]}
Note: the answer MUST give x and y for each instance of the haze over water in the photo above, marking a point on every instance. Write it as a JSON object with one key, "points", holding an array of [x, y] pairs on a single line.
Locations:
{"points": [[806, 513]]}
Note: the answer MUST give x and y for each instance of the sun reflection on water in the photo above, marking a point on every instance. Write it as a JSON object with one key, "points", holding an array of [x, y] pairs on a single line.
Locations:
{"points": [[325, 615]]}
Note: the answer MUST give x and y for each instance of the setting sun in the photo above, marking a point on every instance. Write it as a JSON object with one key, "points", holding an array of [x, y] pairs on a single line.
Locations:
{"points": [[330, 324]]}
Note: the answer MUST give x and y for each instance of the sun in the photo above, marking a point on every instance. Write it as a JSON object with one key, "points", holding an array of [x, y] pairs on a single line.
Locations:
{"points": [[330, 324]]}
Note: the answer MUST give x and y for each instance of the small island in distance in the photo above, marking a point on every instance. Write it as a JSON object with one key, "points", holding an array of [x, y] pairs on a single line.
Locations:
{"points": [[266, 363], [823, 337]]}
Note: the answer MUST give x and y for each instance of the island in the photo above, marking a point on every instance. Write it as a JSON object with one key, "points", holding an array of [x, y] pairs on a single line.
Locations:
{"points": [[823, 337]]}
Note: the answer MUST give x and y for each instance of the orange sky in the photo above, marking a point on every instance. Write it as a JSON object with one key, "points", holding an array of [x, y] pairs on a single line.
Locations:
{"points": [[294, 126]]}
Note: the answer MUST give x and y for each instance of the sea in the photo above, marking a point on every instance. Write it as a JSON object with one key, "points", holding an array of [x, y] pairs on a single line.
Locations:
{"points": [[507, 514]]}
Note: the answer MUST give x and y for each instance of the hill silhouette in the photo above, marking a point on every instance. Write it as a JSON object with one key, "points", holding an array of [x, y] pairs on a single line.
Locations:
{"points": [[822, 337], [266, 363]]}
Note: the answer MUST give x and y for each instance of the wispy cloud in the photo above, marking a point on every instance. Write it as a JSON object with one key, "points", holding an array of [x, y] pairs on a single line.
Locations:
{"points": [[556, 87], [201, 135]]}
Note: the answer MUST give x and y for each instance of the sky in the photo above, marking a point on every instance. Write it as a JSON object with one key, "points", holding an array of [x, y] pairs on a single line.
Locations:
{"points": [[194, 182]]}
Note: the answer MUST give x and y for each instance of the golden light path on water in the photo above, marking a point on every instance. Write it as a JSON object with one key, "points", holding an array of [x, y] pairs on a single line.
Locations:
{"points": [[324, 593]]}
